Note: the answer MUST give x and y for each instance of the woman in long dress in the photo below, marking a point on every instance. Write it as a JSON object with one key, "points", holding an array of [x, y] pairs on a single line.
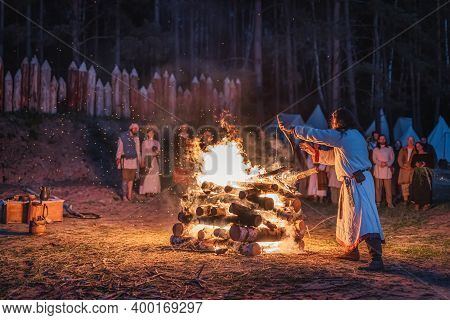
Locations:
{"points": [[357, 218], [421, 185], [150, 182]]}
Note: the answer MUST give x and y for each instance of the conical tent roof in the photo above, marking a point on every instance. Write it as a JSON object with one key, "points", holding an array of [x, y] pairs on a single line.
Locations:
{"points": [[317, 119], [401, 125], [408, 133], [384, 126], [438, 140]]}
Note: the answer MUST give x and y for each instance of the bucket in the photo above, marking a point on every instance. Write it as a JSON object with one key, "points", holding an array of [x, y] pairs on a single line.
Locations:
{"points": [[37, 227]]}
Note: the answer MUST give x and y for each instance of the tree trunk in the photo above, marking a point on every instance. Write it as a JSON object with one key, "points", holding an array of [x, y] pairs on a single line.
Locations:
{"points": [[28, 31], [76, 31], [336, 84], [258, 53], [376, 72], [289, 66], [176, 18], [349, 55], [2, 26], [117, 35], [156, 16], [41, 32], [317, 61], [191, 39], [96, 32], [437, 108]]}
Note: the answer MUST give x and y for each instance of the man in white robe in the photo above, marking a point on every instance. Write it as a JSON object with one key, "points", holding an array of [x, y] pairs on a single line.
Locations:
{"points": [[357, 218]]}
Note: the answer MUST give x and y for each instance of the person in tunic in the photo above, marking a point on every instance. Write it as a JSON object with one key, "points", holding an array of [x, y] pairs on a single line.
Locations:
{"points": [[383, 158], [406, 170], [396, 194], [317, 184], [421, 184], [127, 159], [334, 184], [150, 182], [357, 218]]}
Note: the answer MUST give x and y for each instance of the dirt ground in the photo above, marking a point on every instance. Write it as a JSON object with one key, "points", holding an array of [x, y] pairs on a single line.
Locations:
{"points": [[125, 255]]}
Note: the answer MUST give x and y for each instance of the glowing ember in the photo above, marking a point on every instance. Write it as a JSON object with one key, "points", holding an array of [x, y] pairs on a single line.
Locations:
{"points": [[224, 165]]}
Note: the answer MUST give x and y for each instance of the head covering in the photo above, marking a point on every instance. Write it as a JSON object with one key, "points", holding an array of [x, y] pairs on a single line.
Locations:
{"points": [[134, 125]]}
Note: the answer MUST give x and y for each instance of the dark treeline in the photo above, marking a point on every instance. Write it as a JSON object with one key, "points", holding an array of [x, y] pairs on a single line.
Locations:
{"points": [[281, 49]]}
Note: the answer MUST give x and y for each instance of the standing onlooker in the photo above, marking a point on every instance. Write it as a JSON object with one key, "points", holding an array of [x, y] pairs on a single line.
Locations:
{"points": [[396, 193], [383, 158], [150, 182], [334, 184], [429, 149], [373, 140], [317, 189], [421, 185], [406, 171], [127, 159]]}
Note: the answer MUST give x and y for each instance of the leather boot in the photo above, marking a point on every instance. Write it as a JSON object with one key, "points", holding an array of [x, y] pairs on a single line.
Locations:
{"points": [[350, 255], [375, 250]]}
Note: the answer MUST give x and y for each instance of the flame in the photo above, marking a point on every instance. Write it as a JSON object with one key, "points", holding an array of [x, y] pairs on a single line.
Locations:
{"points": [[276, 199], [270, 247], [223, 164]]}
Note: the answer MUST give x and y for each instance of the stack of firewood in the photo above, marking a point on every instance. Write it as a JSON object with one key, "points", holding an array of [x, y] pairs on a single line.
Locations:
{"points": [[245, 218]]}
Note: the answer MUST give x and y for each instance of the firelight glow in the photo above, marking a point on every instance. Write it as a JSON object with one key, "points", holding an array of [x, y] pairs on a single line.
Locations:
{"points": [[224, 165]]}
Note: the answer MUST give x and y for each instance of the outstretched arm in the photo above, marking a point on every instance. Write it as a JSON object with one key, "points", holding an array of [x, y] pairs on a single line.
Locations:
{"points": [[328, 137], [319, 156]]}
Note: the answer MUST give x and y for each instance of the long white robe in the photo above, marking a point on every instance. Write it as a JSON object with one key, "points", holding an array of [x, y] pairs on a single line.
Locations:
{"points": [[358, 220], [313, 183], [150, 183]]}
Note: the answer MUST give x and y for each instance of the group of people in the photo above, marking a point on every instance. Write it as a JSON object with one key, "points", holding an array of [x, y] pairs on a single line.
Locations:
{"points": [[133, 158], [402, 174]]}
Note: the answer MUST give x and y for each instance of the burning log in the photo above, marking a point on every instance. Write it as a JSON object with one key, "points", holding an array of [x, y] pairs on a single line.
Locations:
{"points": [[178, 229], [218, 221], [250, 192], [203, 210], [246, 215], [270, 225], [205, 233], [177, 241], [266, 187], [294, 203], [207, 187], [263, 202], [218, 211], [221, 233], [185, 217], [273, 172], [248, 234], [250, 249], [288, 215]]}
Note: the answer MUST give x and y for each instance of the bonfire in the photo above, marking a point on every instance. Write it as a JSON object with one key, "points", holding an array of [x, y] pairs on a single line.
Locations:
{"points": [[236, 207]]}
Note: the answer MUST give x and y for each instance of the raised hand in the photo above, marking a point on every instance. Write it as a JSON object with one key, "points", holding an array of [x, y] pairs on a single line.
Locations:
{"points": [[307, 148]]}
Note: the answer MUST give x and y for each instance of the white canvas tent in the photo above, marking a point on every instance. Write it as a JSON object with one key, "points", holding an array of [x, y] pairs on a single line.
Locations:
{"points": [[447, 146], [317, 119], [439, 138], [408, 133], [384, 127], [401, 125]]}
